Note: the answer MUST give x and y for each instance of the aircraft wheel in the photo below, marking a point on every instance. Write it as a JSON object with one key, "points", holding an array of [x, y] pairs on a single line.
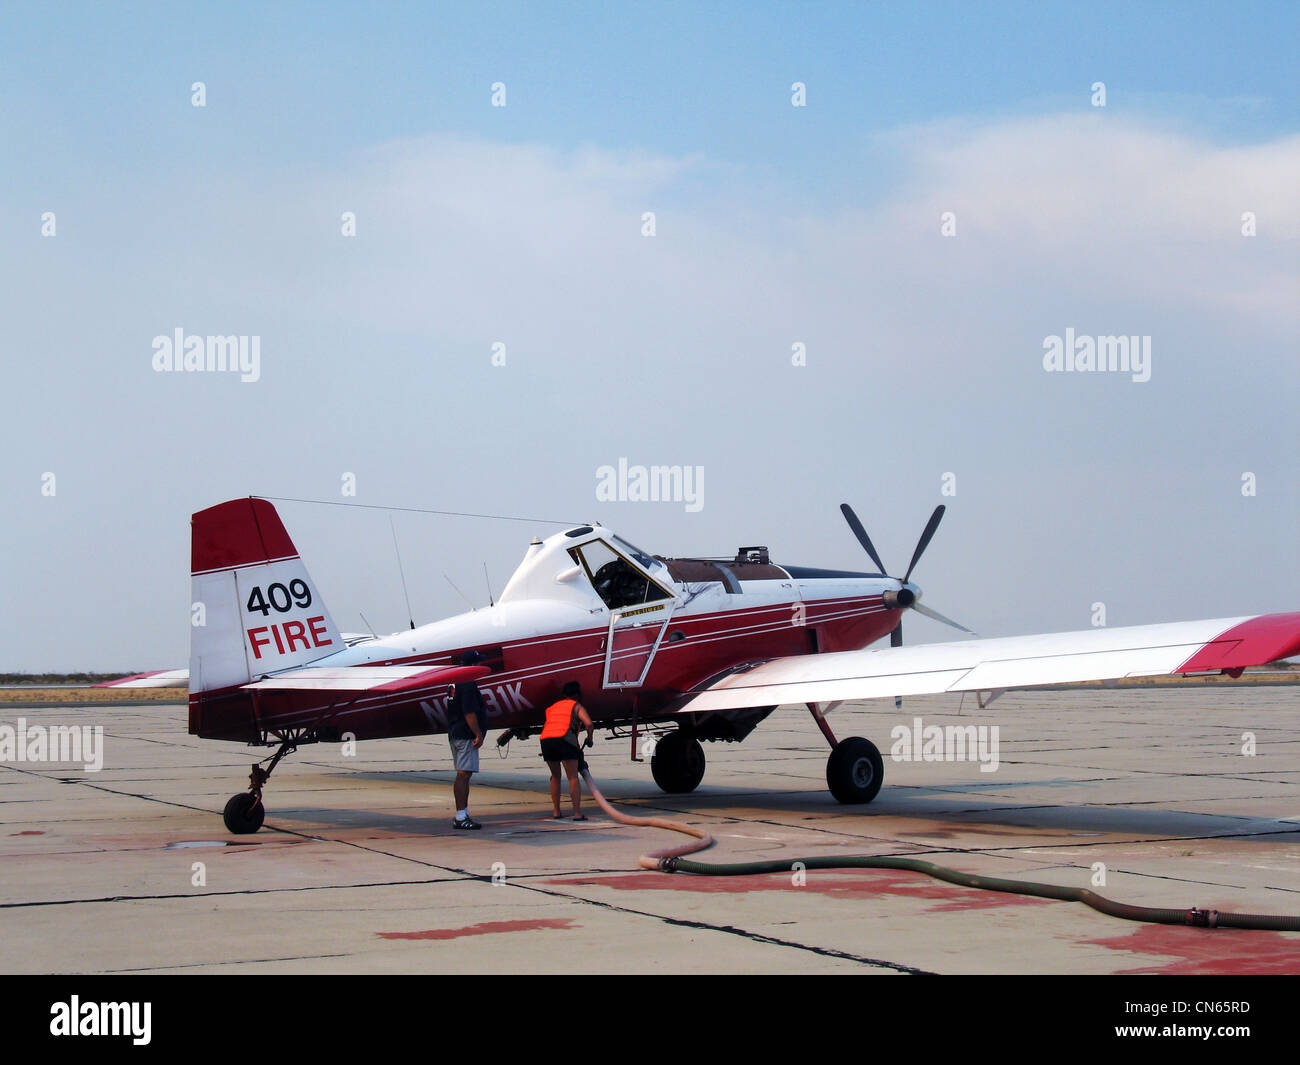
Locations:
{"points": [[678, 763], [854, 771], [243, 814]]}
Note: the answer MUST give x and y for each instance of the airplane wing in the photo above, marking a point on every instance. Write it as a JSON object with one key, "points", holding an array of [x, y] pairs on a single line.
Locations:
{"points": [[159, 678], [387, 679], [180, 678], [1219, 645]]}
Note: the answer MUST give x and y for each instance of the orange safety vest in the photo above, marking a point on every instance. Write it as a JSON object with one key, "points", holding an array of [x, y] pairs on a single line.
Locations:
{"points": [[560, 720]]}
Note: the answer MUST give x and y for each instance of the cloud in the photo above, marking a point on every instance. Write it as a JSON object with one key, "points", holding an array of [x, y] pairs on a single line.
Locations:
{"points": [[924, 356], [1107, 204], [469, 238]]}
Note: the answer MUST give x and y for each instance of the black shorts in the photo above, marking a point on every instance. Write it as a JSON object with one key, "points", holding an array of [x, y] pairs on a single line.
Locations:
{"points": [[560, 750]]}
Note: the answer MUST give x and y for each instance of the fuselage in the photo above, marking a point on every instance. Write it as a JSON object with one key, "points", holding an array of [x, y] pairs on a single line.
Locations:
{"points": [[635, 631]]}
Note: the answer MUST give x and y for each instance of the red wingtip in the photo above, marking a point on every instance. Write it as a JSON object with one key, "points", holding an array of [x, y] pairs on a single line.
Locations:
{"points": [[1256, 642]]}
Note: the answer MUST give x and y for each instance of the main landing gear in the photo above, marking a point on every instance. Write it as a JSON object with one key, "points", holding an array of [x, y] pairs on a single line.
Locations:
{"points": [[678, 763], [244, 813], [855, 770]]}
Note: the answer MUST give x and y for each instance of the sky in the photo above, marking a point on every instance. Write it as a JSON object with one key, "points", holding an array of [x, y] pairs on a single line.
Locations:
{"points": [[848, 300]]}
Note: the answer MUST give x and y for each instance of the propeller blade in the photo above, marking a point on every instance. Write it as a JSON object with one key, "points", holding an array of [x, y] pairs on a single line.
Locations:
{"points": [[896, 640], [926, 536], [862, 536], [920, 609]]}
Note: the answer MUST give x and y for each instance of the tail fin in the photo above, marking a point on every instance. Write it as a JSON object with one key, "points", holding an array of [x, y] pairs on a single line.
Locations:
{"points": [[255, 609]]}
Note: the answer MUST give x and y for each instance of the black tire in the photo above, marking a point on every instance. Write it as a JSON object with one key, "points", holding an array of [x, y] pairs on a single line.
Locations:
{"points": [[855, 771], [242, 816], [678, 763]]}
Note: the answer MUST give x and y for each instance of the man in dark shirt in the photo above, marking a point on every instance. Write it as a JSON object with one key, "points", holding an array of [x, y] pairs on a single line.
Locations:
{"points": [[466, 719]]}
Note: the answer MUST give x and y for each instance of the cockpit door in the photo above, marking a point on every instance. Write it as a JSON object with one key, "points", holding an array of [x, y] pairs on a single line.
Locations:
{"points": [[632, 641], [640, 598]]}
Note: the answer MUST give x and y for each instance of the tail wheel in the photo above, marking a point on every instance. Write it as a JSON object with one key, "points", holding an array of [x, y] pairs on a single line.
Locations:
{"points": [[678, 763], [854, 771], [244, 813]]}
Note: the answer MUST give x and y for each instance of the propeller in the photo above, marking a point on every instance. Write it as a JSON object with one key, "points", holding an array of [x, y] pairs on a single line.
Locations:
{"points": [[927, 535], [861, 534], [920, 608], [905, 596]]}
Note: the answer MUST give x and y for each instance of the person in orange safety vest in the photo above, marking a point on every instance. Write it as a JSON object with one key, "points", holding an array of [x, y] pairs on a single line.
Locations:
{"points": [[560, 745]]}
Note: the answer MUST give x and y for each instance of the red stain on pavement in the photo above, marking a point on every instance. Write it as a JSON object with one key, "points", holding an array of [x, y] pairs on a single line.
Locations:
{"points": [[1210, 951], [856, 886], [482, 929], [27, 832]]}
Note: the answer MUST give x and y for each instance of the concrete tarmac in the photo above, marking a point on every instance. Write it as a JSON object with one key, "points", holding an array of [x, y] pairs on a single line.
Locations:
{"points": [[358, 870]]}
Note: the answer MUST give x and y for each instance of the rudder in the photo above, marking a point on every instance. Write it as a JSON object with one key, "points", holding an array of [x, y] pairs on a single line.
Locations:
{"points": [[260, 612]]}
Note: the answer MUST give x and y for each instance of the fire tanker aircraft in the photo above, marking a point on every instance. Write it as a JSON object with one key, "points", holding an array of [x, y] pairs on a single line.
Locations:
{"points": [[693, 649]]}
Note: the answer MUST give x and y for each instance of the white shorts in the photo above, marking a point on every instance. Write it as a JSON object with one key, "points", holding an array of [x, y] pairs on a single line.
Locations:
{"points": [[464, 754]]}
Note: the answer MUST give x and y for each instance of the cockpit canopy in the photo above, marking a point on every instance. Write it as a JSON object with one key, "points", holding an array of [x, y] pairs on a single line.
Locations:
{"points": [[589, 565], [619, 583]]}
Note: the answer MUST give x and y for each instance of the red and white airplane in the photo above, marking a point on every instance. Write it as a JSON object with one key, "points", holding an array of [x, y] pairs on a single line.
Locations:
{"points": [[693, 649]]}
